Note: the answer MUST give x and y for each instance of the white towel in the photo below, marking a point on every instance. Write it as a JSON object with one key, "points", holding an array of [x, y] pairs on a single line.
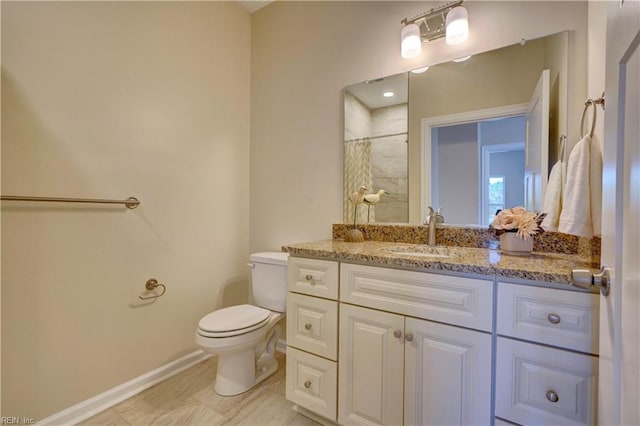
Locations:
{"points": [[552, 205], [581, 210]]}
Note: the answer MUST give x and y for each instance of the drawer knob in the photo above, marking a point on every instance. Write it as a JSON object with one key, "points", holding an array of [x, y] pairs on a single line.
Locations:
{"points": [[397, 334], [308, 277], [552, 396], [307, 326], [307, 384], [408, 337], [553, 318]]}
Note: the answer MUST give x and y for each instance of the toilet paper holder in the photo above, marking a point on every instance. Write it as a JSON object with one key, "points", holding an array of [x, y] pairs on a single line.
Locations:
{"points": [[151, 285]]}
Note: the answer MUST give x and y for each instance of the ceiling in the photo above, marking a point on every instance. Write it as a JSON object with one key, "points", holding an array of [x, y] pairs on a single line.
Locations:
{"points": [[252, 6], [370, 92]]}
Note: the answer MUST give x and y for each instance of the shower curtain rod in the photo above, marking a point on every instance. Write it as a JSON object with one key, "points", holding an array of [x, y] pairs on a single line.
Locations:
{"points": [[131, 202], [375, 137]]}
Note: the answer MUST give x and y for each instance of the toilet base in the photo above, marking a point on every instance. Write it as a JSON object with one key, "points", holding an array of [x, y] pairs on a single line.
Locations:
{"points": [[237, 373], [240, 371]]}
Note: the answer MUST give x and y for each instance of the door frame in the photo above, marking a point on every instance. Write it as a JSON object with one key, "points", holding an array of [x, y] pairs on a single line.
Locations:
{"points": [[428, 123]]}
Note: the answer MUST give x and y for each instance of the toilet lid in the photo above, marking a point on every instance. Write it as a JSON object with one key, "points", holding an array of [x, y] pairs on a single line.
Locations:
{"points": [[233, 318]]}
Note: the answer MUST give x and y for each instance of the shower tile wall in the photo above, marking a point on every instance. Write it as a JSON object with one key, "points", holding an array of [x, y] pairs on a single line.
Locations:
{"points": [[358, 122], [389, 163]]}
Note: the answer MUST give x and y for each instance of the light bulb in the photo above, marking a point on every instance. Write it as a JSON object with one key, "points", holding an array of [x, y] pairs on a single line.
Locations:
{"points": [[457, 25], [411, 44]]}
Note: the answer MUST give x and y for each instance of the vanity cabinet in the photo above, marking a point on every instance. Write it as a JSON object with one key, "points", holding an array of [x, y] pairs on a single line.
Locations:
{"points": [[400, 366], [546, 371], [394, 364], [381, 346]]}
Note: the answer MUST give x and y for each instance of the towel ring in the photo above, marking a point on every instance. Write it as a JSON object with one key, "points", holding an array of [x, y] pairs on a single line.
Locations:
{"points": [[591, 103]]}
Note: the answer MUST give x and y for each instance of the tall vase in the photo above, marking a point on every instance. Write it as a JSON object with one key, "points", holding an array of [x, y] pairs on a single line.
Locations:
{"points": [[511, 244]]}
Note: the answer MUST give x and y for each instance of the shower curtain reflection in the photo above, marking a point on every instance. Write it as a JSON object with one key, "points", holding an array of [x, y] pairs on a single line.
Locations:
{"points": [[379, 162], [357, 172]]}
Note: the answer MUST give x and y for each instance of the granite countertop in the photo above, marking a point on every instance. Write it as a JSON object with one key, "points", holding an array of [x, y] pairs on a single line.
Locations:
{"points": [[546, 267]]}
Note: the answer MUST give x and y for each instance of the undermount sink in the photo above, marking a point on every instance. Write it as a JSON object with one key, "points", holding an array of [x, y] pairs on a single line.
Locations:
{"points": [[421, 250]]}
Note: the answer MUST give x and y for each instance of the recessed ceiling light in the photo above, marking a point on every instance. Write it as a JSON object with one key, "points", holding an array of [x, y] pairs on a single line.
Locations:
{"points": [[464, 58], [388, 94], [420, 70]]}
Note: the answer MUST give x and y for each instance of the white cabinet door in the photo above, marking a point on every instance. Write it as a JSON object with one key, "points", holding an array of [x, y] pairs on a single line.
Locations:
{"points": [[371, 367], [448, 375]]}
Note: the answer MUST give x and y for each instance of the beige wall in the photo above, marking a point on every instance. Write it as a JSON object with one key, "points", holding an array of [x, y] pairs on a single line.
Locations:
{"points": [[596, 62], [109, 100], [304, 53]]}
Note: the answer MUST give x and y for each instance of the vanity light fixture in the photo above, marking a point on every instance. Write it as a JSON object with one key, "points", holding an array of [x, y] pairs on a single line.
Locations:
{"points": [[420, 70], [450, 20], [462, 59]]}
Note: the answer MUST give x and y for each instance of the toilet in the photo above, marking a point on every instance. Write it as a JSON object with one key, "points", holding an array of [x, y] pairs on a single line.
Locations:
{"points": [[244, 336]]}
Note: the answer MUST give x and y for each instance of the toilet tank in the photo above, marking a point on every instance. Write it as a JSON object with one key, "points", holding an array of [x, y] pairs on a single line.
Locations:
{"points": [[269, 280]]}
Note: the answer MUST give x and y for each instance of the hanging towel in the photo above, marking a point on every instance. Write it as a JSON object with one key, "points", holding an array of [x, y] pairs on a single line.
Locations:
{"points": [[552, 204], [576, 217], [595, 180]]}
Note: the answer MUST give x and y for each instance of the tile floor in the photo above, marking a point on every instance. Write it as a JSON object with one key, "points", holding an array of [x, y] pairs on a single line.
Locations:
{"points": [[188, 398]]}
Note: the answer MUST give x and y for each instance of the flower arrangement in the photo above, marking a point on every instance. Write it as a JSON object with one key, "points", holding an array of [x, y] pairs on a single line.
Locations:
{"points": [[517, 219]]}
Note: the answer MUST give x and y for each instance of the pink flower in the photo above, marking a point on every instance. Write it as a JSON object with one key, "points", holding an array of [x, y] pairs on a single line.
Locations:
{"points": [[527, 224]]}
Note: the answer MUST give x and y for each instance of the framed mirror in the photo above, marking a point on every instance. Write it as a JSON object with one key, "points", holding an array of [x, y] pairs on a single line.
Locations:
{"points": [[464, 145]]}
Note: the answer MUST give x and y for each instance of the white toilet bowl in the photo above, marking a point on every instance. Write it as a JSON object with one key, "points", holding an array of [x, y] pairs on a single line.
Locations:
{"points": [[244, 337], [245, 354]]}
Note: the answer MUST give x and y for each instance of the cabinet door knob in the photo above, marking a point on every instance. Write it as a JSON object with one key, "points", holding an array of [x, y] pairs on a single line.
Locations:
{"points": [[308, 277], [307, 384], [307, 326], [552, 396], [397, 334], [408, 337], [553, 318]]}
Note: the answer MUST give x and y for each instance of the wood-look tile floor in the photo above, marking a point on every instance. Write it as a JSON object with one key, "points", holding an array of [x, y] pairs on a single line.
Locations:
{"points": [[188, 398]]}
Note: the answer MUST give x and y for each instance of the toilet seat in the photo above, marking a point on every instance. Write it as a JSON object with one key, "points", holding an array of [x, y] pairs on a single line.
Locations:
{"points": [[233, 321]]}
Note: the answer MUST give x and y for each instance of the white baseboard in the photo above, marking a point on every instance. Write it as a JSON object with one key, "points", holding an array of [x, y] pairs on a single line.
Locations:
{"points": [[105, 400]]}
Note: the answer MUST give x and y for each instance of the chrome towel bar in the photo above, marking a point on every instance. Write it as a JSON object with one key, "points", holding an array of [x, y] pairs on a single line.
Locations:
{"points": [[130, 203]]}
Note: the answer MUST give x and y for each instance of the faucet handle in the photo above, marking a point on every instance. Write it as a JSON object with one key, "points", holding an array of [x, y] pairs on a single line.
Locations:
{"points": [[428, 215], [439, 216]]}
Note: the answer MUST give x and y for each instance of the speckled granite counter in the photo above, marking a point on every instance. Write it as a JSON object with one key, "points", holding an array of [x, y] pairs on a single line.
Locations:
{"points": [[546, 267]]}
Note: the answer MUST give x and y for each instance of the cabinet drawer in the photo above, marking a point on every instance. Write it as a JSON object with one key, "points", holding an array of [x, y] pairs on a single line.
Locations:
{"points": [[312, 325], [563, 318], [454, 300], [313, 277], [312, 382], [537, 385]]}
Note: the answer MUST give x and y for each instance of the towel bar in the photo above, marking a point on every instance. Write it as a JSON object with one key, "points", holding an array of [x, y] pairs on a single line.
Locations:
{"points": [[130, 202]]}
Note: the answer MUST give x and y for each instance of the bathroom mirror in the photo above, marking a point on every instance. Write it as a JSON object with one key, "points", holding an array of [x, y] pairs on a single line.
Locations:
{"points": [[455, 135]]}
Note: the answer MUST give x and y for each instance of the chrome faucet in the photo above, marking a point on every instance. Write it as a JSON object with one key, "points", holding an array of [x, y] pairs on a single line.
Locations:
{"points": [[432, 218]]}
